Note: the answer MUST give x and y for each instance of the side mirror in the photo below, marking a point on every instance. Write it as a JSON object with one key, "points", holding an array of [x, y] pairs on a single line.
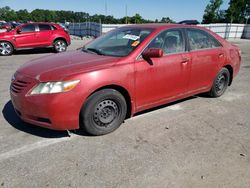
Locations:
{"points": [[18, 31], [152, 53]]}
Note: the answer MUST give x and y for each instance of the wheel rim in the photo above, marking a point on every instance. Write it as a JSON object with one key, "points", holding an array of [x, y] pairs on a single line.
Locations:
{"points": [[60, 46], [5, 48], [221, 83], [105, 113]]}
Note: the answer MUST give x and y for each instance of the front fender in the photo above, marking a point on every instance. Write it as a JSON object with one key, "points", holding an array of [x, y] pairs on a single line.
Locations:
{"points": [[120, 75]]}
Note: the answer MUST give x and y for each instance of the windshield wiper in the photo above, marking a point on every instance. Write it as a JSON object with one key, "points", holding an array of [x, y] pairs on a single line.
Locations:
{"points": [[96, 51]]}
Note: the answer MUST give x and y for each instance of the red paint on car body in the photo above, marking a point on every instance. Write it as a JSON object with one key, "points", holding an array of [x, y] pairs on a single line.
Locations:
{"points": [[35, 38]]}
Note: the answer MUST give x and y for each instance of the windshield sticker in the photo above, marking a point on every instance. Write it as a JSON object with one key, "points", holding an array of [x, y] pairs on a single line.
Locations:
{"points": [[131, 37], [136, 43]]}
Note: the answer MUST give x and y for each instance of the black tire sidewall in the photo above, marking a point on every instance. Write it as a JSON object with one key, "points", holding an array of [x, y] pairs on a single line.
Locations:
{"points": [[213, 92], [88, 109], [12, 49]]}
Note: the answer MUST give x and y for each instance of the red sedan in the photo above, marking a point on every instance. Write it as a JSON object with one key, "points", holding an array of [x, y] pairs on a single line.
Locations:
{"points": [[126, 71]]}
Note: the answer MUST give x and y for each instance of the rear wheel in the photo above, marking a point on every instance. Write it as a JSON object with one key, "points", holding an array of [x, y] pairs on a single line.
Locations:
{"points": [[60, 46], [220, 84], [103, 112], [6, 48]]}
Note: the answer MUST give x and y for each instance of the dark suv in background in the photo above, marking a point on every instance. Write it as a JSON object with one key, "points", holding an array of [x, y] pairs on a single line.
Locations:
{"points": [[9, 25], [34, 35]]}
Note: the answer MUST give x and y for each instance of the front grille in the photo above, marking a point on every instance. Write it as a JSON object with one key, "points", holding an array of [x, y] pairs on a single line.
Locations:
{"points": [[18, 86]]}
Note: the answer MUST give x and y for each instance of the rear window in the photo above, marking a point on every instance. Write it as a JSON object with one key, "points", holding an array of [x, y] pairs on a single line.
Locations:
{"points": [[44, 27]]}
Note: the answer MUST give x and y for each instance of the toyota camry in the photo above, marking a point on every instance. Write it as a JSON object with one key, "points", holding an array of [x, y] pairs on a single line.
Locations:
{"points": [[121, 73]]}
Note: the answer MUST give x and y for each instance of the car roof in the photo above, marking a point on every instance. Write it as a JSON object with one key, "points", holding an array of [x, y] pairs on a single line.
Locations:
{"points": [[163, 26], [159, 27], [49, 23]]}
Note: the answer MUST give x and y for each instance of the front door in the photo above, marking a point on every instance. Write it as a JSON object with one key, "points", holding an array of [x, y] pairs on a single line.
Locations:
{"points": [[26, 37], [164, 78]]}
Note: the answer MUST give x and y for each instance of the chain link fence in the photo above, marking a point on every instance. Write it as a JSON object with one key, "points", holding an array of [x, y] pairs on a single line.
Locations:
{"points": [[85, 29], [230, 31]]}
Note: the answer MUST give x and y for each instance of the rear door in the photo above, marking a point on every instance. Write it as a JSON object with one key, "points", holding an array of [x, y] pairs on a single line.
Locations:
{"points": [[26, 37], [207, 55], [44, 34]]}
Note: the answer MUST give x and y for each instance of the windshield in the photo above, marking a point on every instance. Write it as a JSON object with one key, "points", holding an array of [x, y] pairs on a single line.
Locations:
{"points": [[120, 43]]}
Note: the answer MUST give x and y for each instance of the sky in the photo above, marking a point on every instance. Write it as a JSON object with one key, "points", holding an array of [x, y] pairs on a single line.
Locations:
{"points": [[177, 10]]}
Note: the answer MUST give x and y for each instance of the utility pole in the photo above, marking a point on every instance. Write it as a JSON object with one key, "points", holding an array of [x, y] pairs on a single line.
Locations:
{"points": [[126, 12], [247, 13], [106, 11], [106, 8]]}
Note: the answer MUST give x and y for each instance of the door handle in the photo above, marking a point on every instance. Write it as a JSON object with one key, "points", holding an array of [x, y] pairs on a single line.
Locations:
{"points": [[185, 60], [221, 55]]}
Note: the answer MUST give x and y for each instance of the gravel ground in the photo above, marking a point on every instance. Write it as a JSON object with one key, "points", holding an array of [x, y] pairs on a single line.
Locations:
{"points": [[197, 142]]}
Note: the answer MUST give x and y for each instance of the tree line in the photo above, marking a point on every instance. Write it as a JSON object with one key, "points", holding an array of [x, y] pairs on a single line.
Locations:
{"points": [[237, 12], [41, 15]]}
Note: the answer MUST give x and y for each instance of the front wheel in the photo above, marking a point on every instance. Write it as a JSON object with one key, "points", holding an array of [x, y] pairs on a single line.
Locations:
{"points": [[6, 48], [60, 46], [220, 84], [103, 112]]}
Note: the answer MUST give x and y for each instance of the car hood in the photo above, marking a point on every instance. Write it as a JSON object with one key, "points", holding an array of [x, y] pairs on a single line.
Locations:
{"points": [[59, 66]]}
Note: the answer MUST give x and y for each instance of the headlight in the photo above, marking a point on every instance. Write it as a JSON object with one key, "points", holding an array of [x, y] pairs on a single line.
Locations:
{"points": [[54, 87]]}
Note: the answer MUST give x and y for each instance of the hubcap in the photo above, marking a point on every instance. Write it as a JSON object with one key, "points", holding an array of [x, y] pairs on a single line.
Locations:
{"points": [[220, 83], [105, 113], [60, 46], [5, 48]]}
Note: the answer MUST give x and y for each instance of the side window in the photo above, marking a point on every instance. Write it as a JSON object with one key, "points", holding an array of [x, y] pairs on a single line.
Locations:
{"points": [[44, 27], [201, 40], [28, 28], [169, 41]]}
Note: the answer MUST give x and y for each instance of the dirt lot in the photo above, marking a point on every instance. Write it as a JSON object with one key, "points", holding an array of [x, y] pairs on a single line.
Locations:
{"points": [[198, 142]]}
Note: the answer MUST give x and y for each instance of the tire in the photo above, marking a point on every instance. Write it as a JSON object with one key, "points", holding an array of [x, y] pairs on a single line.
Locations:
{"points": [[60, 46], [220, 83], [103, 112], [6, 48]]}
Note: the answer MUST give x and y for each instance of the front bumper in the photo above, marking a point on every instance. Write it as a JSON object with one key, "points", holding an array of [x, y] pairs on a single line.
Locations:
{"points": [[53, 111]]}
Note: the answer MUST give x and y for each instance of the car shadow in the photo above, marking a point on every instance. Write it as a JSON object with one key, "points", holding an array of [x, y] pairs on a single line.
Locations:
{"points": [[34, 51], [202, 95], [12, 118]]}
